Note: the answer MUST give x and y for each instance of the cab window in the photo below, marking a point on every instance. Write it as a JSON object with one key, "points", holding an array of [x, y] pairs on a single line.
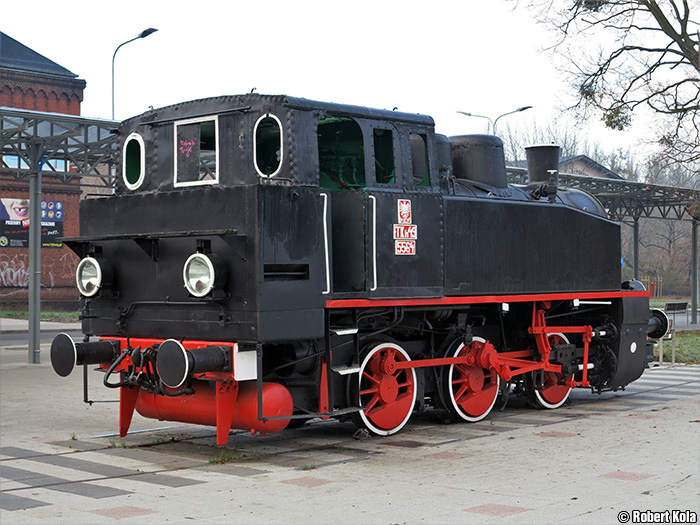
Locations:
{"points": [[134, 161], [419, 159], [196, 152], [341, 153], [384, 167], [268, 146]]}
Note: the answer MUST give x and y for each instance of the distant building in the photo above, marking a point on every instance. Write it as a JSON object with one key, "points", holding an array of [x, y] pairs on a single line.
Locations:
{"points": [[582, 165], [30, 81]]}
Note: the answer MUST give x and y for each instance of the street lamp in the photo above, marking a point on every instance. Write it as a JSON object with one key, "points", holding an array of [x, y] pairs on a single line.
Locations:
{"points": [[494, 122], [142, 34], [478, 116]]}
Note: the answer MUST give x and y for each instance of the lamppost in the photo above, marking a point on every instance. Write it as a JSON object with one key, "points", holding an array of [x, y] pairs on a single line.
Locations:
{"points": [[142, 34], [494, 122], [478, 116]]}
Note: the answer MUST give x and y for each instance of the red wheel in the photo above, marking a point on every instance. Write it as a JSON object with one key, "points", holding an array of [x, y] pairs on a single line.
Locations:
{"points": [[470, 391], [554, 392], [387, 393]]}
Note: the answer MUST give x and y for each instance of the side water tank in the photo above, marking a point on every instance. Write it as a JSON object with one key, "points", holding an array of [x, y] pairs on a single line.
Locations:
{"points": [[479, 158]]}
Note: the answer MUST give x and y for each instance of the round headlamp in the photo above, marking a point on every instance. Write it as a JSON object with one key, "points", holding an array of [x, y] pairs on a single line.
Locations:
{"points": [[88, 276], [202, 273]]}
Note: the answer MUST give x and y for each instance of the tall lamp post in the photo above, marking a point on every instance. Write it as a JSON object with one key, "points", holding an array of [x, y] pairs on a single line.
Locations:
{"points": [[142, 34], [495, 122]]}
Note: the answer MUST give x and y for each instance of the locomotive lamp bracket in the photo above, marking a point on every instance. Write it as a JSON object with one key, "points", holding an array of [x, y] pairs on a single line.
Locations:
{"points": [[149, 245], [80, 248], [203, 246], [237, 243]]}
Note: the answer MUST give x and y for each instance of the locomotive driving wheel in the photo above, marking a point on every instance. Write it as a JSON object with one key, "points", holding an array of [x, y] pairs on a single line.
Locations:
{"points": [[469, 390], [554, 391], [386, 392]]}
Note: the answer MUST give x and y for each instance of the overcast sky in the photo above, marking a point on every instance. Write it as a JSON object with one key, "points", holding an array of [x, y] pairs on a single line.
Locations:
{"points": [[433, 58]]}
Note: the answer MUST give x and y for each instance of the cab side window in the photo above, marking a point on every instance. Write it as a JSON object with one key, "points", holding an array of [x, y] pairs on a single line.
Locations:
{"points": [[267, 146], [341, 153], [384, 166], [196, 152], [419, 159]]}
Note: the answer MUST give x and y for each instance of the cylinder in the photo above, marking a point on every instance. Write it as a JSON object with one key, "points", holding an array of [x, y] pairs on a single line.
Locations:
{"points": [[66, 354], [200, 408], [479, 158], [542, 163]]}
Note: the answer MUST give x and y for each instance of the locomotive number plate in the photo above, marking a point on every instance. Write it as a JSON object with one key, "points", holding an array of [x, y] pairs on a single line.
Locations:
{"points": [[405, 231], [404, 247]]}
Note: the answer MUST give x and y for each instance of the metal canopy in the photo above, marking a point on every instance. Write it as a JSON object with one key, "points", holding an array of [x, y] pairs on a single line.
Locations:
{"points": [[65, 146]]}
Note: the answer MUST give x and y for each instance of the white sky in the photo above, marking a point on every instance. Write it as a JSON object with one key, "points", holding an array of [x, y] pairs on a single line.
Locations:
{"points": [[433, 58]]}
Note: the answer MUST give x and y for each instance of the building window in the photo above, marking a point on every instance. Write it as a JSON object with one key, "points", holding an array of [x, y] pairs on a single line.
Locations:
{"points": [[385, 172], [196, 152], [267, 146], [419, 160], [133, 161], [341, 153]]}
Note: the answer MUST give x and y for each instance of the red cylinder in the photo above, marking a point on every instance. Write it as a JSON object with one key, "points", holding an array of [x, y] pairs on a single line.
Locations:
{"points": [[200, 408]]}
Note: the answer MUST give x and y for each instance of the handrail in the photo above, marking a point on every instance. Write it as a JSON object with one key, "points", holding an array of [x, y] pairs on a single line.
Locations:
{"points": [[325, 243], [374, 240]]}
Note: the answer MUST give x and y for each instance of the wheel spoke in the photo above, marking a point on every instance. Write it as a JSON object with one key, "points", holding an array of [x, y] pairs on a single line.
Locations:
{"points": [[460, 392], [370, 377], [372, 402]]}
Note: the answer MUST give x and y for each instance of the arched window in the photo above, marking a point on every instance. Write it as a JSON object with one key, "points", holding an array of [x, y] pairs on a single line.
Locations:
{"points": [[341, 153]]}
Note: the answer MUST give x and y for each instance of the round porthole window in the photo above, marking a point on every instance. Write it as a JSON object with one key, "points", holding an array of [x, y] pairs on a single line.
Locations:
{"points": [[134, 161]]}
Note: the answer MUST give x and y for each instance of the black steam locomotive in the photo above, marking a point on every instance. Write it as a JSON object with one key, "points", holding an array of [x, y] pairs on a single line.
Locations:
{"points": [[269, 259]]}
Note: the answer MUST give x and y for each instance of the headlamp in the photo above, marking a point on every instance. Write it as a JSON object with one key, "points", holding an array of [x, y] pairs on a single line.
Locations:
{"points": [[88, 276], [202, 273]]}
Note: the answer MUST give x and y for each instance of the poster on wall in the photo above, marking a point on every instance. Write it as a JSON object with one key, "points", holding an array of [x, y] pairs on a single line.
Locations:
{"points": [[14, 223]]}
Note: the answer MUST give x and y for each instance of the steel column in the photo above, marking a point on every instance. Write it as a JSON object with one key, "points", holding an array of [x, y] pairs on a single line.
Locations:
{"points": [[694, 270], [37, 158], [635, 228]]}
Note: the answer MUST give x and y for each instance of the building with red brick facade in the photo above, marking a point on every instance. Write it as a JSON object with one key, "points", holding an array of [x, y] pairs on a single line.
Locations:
{"points": [[30, 81]]}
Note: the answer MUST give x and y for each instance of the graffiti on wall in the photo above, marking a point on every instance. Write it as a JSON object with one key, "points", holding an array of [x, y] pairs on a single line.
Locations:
{"points": [[14, 270]]}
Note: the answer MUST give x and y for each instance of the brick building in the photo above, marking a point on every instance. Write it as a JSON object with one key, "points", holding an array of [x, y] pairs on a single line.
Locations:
{"points": [[30, 81]]}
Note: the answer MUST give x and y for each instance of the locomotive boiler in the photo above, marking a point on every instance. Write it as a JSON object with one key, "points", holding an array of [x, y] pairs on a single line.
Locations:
{"points": [[265, 260]]}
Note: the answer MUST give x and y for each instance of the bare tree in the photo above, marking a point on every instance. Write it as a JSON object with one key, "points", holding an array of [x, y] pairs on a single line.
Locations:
{"points": [[648, 55], [572, 143]]}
